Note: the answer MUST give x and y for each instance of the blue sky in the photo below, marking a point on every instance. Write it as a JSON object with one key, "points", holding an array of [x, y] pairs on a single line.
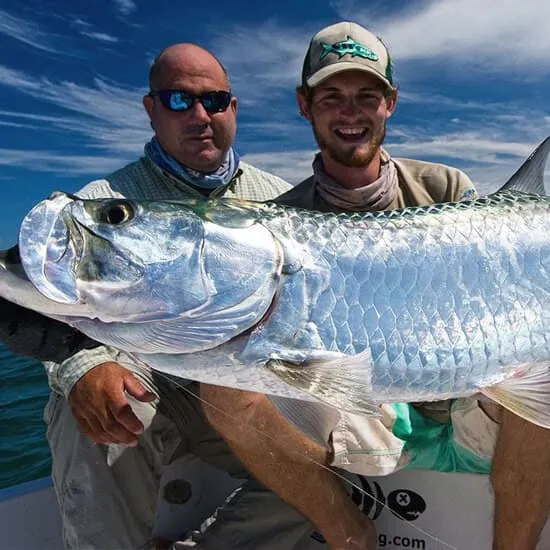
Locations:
{"points": [[474, 79]]}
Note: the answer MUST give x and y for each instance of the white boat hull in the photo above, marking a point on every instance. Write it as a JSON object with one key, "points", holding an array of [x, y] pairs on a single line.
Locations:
{"points": [[445, 510]]}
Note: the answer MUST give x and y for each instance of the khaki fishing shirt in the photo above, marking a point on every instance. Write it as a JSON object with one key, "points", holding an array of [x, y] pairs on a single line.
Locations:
{"points": [[420, 184]]}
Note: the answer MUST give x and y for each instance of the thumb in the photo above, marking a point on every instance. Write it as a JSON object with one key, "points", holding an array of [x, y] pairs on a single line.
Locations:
{"points": [[137, 390]]}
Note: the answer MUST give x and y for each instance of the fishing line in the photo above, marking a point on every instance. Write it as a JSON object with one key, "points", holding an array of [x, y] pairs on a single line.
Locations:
{"points": [[309, 459]]}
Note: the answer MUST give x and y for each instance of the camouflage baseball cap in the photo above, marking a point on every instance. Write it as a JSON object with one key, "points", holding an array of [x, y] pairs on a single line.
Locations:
{"points": [[343, 47]]}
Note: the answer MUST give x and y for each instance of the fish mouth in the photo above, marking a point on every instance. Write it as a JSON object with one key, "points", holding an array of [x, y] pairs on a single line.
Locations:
{"points": [[50, 245]]}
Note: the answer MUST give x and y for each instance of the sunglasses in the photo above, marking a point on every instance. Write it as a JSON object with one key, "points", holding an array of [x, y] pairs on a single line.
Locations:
{"points": [[180, 101]]}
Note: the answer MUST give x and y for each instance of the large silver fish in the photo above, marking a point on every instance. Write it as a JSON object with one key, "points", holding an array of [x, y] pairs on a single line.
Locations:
{"points": [[353, 309]]}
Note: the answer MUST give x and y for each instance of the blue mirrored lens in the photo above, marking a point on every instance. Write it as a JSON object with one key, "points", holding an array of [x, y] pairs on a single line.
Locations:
{"points": [[180, 101]]}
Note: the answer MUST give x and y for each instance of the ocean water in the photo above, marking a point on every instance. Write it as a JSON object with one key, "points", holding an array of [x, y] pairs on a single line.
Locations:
{"points": [[24, 453]]}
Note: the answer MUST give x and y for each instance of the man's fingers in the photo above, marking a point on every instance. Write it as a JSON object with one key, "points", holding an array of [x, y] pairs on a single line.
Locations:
{"points": [[99, 400], [127, 421], [109, 430], [117, 432], [119, 420], [137, 390], [115, 423], [100, 434]]}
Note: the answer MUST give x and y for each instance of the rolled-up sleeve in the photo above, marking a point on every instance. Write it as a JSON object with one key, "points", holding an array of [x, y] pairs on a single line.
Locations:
{"points": [[63, 376]]}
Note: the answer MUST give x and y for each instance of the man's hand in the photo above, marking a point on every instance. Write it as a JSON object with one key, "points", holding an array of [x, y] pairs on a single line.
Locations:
{"points": [[100, 405]]}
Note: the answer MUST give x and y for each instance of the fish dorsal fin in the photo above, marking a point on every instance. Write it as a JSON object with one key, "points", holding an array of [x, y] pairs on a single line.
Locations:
{"points": [[529, 178]]}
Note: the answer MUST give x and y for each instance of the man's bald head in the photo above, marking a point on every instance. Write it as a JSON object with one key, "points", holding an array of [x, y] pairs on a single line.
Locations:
{"points": [[197, 137], [182, 58]]}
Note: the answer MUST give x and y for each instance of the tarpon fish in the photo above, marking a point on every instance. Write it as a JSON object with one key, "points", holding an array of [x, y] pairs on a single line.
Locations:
{"points": [[355, 310]]}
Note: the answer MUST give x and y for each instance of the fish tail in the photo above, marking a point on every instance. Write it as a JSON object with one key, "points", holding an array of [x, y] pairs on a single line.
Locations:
{"points": [[526, 394], [327, 48]]}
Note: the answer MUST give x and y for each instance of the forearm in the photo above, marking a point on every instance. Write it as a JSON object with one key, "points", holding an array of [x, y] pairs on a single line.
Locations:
{"points": [[293, 466], [521, 483]]}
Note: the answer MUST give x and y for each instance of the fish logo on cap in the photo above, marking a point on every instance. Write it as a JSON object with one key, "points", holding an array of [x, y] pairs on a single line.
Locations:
{"points": [[348, 46]]}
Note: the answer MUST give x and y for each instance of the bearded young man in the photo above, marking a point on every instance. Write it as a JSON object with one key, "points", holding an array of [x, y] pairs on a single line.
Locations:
{"points": [[348, 94]]}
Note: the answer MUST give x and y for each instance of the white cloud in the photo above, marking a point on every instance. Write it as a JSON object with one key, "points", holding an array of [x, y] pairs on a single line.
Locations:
{"points": [[488, 162], [444, 102], [107, 115], [82, 23], [292, 166], [101, 36], [479, 33], [48, 161], [85, 29], [463, 146], [31, 116], [27, 32], [261, 59], [106, 112], [125, 7], [10, 124], [16, 79]]}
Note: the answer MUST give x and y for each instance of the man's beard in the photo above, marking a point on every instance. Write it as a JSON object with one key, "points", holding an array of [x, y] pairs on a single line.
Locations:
{"points": [[353, 157]]}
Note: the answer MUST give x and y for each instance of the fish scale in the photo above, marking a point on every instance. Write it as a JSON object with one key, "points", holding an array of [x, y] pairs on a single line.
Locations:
{"points": [[447, 332]]}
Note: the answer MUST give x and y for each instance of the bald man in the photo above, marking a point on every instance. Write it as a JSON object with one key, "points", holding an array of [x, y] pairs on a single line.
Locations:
{"points": [[113, 424]]}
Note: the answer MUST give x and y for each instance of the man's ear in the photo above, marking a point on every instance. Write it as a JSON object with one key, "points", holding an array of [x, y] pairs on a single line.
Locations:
{"points": [[234, 105], [391, 102], [148, 104], [303, 103]]}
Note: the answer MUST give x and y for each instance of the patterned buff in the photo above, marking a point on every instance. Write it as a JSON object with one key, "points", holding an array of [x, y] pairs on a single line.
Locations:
{"points": [[377, 195], [222, 176]]}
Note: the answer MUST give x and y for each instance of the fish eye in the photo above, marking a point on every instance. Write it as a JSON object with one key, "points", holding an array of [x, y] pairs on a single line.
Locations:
{"points": [[117, 213]]}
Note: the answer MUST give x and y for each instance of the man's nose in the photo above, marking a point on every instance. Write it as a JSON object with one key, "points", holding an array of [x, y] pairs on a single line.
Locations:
{"points": [[348, 106], [198, 112]]}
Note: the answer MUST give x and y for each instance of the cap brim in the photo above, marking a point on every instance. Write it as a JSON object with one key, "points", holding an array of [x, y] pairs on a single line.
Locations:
{"points": [[329, 70]]}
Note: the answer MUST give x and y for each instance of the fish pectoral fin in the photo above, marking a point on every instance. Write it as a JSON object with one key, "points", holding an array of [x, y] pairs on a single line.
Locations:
{"points": [[341, 381], [526, 394]]}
